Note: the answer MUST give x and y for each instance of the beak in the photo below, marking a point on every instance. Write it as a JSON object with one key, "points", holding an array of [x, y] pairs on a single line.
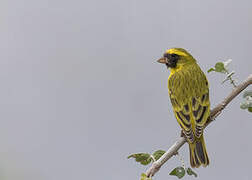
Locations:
{"points": [[163, 60]]}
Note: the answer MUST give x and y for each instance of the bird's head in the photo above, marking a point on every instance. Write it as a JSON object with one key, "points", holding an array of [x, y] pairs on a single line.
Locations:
{"points": [[176, 58]]}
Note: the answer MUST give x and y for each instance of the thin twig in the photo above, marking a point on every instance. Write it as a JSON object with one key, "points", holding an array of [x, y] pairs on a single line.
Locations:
{"points": [[229, 77], [214, 113]]}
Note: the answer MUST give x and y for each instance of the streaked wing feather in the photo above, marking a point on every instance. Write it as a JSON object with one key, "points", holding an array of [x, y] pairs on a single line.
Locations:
{"points": [[182, 114], [189, 96], [201, 111]]}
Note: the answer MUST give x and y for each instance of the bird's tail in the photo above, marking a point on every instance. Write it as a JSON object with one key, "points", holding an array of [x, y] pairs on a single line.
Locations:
{"points": [[198, 153]]}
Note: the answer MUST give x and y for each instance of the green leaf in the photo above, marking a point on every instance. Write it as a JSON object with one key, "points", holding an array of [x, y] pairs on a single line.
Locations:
{"points": [[191, 172], [219, 67], [178, 171], [210, 70], [144, 177], [143, 158], [157, 154], [247, 103], [243, 105], [247, 93]]}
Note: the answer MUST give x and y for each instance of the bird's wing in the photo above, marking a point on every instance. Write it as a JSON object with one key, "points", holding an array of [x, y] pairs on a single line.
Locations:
{"points": [[180, 106], [201, 107], [189, 96]]}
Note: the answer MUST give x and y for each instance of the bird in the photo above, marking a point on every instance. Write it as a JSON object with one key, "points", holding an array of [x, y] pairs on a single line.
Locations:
{"points": [[189, 95]]}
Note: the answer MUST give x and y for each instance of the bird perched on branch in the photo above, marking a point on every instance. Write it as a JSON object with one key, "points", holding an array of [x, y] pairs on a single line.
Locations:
{"points": [[189, 94]]}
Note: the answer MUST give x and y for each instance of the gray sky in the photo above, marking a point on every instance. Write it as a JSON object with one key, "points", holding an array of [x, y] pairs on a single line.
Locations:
{"points": [[80, 88]]}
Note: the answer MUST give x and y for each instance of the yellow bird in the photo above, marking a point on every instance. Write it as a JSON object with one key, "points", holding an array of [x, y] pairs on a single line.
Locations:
{"points": [[189, 94]]}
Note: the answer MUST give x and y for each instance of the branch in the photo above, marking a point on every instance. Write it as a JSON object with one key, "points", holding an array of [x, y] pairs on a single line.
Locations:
{"points": [[214, 113]]}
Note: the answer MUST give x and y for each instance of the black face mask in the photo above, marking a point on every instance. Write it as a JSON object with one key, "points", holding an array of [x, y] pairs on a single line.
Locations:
{"points": [[172, 60]]}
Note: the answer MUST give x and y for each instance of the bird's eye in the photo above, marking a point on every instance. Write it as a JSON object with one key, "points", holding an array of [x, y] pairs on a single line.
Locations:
{"points": [[174, 55]]}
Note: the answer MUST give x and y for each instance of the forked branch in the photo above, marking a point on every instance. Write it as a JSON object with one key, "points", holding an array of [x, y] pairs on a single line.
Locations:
{"points": [[214, 113]]}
